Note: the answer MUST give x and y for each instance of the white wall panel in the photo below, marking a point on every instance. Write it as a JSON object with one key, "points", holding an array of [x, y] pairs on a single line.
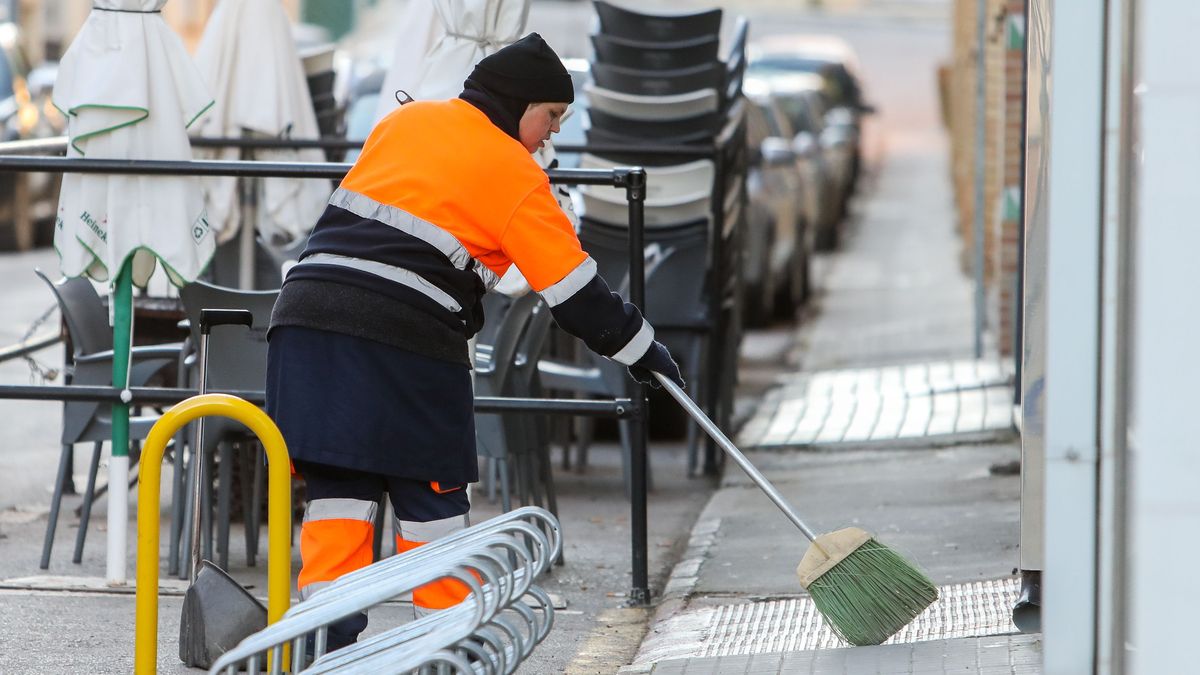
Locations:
{"points": [[1165, 460]]}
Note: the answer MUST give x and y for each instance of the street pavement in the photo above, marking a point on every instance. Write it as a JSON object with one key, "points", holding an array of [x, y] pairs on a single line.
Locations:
{"points": [[893, 296], [65, 619], [892, 303]]}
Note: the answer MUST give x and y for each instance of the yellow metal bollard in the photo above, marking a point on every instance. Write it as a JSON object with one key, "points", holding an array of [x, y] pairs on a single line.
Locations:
{"points": [[279, 514]]}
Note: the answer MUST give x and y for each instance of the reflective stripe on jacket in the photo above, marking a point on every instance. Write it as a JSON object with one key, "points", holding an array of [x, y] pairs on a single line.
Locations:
{"points": [[438, 205]]}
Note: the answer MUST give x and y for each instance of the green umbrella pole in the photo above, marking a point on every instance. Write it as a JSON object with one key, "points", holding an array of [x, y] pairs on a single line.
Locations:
{"points": [[122, 337], [118, 467]]}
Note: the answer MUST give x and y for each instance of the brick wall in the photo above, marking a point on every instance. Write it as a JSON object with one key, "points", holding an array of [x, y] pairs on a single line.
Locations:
{"points": [[1003, 54], [1011, 139]]}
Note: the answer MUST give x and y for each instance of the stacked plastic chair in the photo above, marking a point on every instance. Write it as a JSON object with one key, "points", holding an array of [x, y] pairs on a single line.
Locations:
{"points": [[660, 79], [492, 631], [661, 84]]}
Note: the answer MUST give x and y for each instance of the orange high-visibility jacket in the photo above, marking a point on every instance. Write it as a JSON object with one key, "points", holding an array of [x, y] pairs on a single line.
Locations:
{"points": [[438, 205]]}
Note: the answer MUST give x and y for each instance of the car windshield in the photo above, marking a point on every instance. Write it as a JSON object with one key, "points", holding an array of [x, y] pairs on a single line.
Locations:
{"points": [[840, 86], [786, 64]]}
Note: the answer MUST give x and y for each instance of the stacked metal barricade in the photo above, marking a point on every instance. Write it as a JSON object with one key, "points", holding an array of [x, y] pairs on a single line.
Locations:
{"points": [[665, 94], [492, 631]]}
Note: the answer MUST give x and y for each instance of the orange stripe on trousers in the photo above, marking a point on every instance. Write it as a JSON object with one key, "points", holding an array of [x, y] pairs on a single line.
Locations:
{"points": [[438, 594], [331, 548]]}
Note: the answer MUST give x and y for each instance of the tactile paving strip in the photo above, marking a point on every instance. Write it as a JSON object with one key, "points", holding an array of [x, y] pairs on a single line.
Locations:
{"points": [[972, 609], [916, 402]]}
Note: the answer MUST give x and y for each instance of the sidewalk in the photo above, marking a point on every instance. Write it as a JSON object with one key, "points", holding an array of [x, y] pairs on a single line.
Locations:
{"points": [[887, 423]]}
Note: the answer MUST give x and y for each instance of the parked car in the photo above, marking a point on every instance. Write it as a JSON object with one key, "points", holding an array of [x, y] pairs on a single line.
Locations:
{"points": [[822, 158], [778, 240], [833, 60], [28, 201]]}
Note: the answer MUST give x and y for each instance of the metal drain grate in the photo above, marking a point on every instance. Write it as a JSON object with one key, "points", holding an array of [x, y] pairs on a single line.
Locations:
{"points": [[972, 609]]}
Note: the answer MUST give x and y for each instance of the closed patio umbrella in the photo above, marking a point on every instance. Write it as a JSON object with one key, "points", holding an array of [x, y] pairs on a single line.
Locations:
{"points": [[467, 31], [471, 30], [129, 91], [249, 59], [420, 28]]}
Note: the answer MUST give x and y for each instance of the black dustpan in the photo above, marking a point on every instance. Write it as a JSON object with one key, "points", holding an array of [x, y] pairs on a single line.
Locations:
{"points": [[217, 612]]}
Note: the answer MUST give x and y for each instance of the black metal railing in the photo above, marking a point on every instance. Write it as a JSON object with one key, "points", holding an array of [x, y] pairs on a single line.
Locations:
{"points": [[633, 179]]}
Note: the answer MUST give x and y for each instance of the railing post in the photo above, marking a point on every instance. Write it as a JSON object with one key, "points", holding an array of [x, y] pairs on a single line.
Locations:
{"points": [[635, 195]]}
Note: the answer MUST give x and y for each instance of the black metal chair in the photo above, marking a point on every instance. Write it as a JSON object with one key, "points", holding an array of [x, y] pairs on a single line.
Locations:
{"points": [[90, 364], [735, 64], [676, 195], [677, 301], [619, 51], [237, 361], [670, 132], [658, 82], [504, 440], [633, 25], [638, 108]]}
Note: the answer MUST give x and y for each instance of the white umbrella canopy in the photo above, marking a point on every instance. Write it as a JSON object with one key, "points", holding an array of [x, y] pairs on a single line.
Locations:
{"points": [[442, 41], [420, 30], [472, 29], [248, 58], [129, 91], [437, 55]]}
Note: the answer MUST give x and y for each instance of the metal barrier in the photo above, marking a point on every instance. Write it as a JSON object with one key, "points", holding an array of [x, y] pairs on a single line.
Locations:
{"points": [[279, 514], [492, 631], [632, 179]]}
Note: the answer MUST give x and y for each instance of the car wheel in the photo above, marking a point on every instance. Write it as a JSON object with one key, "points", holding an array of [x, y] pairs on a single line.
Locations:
{"points": [[827, 237], [790, 294], [758, 297]]}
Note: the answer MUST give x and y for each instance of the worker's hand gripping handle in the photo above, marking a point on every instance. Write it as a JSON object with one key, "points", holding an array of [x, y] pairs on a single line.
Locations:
{"points": [[224, 317]]}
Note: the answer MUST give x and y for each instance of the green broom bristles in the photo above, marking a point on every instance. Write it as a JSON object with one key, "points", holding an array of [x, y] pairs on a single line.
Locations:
{"points": [[871, 594]]}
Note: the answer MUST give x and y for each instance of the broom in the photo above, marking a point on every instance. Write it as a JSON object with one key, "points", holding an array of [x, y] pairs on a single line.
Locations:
{"points": [[865, 590]]}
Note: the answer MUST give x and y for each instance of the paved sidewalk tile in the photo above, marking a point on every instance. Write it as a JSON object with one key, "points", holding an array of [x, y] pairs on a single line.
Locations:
{"points": [[1012, 654], [943, 401]]}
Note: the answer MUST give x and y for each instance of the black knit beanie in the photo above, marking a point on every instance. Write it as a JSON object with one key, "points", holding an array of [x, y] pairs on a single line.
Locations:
{"points": [[527, 70]]}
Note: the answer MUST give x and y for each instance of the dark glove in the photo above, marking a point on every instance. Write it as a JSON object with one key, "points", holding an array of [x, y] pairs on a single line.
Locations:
{"points": [[658, 360]]}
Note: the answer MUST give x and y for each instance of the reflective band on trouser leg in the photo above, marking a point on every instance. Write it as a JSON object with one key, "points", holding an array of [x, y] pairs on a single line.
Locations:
{"points": [[336, 538], [439, 594]]}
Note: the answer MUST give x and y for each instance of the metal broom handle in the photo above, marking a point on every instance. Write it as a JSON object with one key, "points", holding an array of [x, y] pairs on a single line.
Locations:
{"points": [[731, 449], [198, 459], [208, 319]]}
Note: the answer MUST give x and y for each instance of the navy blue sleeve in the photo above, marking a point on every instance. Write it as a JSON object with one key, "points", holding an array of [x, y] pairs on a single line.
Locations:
{"points": [[584, 306]]}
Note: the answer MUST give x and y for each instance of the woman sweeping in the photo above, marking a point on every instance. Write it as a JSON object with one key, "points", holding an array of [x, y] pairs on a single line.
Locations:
{"points": [[368, 374]]}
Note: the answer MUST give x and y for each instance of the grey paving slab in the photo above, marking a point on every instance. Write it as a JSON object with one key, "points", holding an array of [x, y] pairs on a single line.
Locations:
{"points": [[891, 416], [916, 417], [941, 507], [972, 411], [866, 414]]}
